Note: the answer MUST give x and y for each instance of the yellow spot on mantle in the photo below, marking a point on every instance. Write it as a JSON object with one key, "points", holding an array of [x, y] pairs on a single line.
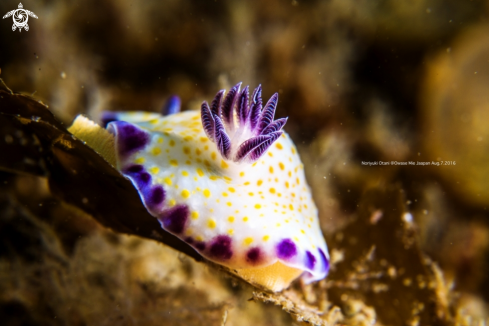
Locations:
{"points": [[185, 173], [171, 142], [259, 182], [245, 219], [257, 206], [174, 162], [231, 189], [207, 193], [200, 172], [279, 146], [140, 160], [168, 181], [195, 215], [231, 219], [266, 237], [247, 241], [230, 231], [241, 174], [211, 223], [156, 151], [171, 202], [229, 203], [272, 190], [224, 165], [281, 165], [154, 170], [185, 193], [271, 169]]}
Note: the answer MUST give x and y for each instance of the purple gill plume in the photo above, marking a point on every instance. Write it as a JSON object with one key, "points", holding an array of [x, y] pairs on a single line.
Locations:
{"points": [[240, 127]]}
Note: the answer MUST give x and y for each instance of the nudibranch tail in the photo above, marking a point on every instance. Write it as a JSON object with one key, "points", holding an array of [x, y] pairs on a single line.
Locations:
{"points": [[246, 138]]}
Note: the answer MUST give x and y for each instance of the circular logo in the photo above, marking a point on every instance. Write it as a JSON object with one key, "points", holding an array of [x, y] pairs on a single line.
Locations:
{"points": [[20, 18]]}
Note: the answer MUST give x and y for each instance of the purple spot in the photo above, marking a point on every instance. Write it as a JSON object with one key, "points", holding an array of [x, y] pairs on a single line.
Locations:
{"points": [[134, 169], [325, 260], [143, 178], [253, 255], [108, 117], [197, 244], [286, 249], [156, 196], [175, 218], [221, 248], [310, 260], [138, 175], [200, 245], [129, 137]]}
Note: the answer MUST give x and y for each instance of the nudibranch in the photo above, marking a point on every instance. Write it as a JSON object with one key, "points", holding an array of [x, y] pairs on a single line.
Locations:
{"points": [[228, 181]]}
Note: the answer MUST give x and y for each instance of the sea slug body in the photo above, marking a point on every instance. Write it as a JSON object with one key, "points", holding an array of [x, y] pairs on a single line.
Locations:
{"points": [[228, 181]]}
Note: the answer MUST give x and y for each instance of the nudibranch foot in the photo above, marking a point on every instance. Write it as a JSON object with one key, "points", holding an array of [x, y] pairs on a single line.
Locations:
{"points": [[228, 181], [275, 277]]}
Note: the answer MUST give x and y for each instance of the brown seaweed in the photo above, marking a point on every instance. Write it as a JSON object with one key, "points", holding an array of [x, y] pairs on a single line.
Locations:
{"points": [[76, 173]]}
